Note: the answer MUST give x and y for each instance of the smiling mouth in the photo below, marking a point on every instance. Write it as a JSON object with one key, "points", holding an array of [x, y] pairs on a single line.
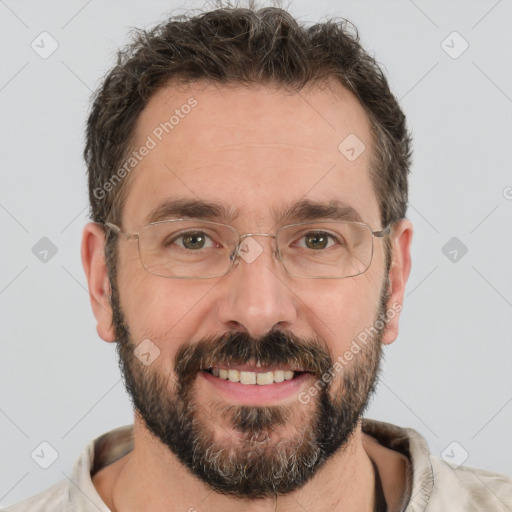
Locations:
{"points": [[263, 378]]}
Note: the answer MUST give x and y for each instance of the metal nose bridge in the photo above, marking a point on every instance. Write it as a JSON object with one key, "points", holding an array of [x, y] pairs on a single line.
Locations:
{"points": [[256, 234], [236, 253]]}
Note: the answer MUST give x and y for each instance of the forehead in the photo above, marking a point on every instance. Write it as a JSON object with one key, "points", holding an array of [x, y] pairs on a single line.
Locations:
{"points": [[255, 151]]}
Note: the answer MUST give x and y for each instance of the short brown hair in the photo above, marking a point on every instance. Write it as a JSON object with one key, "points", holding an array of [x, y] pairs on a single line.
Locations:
{"points": [[245, 46]]}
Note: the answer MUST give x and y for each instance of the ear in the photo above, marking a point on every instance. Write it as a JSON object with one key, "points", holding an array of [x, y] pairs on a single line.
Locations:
{"points": [[93, 260], [401, 238]]}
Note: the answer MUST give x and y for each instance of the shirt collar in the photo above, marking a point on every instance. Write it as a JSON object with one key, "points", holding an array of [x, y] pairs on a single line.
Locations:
{"points": [[116, 443]]}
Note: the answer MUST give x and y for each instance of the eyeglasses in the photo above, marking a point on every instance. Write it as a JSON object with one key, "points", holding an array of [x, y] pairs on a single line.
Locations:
{"points": [[199, 249]]}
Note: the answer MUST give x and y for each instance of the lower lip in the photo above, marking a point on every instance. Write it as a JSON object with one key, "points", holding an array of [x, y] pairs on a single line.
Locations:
{"points": [[254, 394]]}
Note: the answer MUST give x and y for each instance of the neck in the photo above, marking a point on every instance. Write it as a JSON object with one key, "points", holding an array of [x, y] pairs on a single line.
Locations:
{"points": [[150, 477]]}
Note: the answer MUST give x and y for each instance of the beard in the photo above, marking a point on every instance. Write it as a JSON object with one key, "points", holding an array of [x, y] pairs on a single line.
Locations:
{"points": [[251, 451]]}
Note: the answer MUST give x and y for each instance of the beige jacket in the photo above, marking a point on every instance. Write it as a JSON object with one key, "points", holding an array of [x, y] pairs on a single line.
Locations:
{"points": [[435, 485]]}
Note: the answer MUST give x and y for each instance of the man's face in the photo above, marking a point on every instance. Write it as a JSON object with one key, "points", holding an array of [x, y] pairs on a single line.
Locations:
{"points": [[257, 153]]}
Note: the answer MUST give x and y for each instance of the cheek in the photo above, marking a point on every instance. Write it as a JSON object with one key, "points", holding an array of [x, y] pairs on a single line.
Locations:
{"points": [[166, 311], [339, 312]]}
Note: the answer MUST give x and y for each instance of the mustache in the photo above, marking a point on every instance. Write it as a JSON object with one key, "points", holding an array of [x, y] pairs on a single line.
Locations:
{"points": [[237, 348]]}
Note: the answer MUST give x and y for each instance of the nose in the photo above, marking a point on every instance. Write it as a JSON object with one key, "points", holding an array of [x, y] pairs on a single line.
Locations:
{"points": [[256, 297]]}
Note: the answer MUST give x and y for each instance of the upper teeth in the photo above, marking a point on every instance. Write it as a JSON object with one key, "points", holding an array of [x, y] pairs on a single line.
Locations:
{"points": [[261, 378]]}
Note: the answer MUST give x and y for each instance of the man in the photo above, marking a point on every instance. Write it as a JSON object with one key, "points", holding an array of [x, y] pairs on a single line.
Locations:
{"points": [[249, 255]]}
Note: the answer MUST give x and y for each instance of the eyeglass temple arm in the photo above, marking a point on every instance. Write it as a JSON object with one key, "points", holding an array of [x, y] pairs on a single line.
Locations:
{"points": [[384, 232], [118, 231], [113, 227]]}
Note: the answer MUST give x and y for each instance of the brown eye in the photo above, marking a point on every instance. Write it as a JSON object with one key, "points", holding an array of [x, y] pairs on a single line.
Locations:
{"points": [[316, 240], [193, 241]]}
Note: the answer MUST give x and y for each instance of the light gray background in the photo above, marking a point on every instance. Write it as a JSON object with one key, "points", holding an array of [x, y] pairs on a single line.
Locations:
{"points": [[449, 373]]}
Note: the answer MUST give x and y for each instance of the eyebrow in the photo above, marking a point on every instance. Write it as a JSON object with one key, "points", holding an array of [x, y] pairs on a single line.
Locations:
{"points": [[307, 210], [302, 211], [191, 208]]}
